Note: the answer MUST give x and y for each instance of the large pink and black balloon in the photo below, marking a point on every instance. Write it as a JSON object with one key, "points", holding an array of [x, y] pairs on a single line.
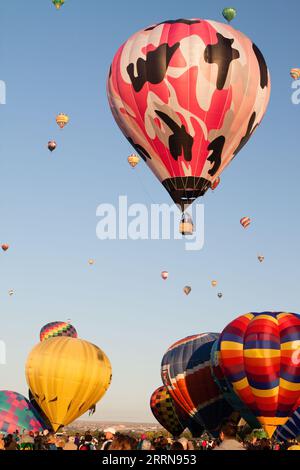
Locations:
{"points": [[188, 95]]}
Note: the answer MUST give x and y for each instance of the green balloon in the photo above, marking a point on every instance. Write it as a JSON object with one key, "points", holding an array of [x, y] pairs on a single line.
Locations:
{"points": [[229, 14]]}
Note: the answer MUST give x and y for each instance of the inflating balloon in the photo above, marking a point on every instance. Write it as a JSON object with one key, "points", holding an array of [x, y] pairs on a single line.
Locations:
{"points": [[58, 3], [188, 95], [164, 275], [295, 74], [186, 373], [52, 145], [5, 247], [67, 376], [187, 290], [133, 160], [16, 413], [62, 120], [245, 222], [164, 410], [57, 328], [229, 14], [260, 358]]}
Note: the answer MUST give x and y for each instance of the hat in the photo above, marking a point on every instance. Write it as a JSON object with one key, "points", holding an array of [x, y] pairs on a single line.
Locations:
{"points": [[110, 430]]}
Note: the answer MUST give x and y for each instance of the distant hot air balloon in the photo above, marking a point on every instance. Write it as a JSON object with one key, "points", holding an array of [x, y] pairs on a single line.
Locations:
{"points": [[5, 247], [58, 3], [229, 14], [67, 376], [164, 275], [16, 413], [91, 262], [260, 258], [62, 120], [52, 145], [11, 292], [188, 95], [57, 328], [260, 358], [220, 295], [186, 226], [215, 184], [185, 371], [295, 74], [187, 290], [245, 222], [164, 410], [133, 160], [214, 283]]}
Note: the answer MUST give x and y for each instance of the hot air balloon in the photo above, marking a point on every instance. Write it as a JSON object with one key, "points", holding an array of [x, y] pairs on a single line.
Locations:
{"points": [[185, 371], [11, 292], [220, 295], [188, 95], [16, 413], [62, 120], [229, 14], [259, 356], [214, 283], [52, 145], [295, 74], [245, 222], [261, 258], [186, 226], [164, 410], [91, 262], [133, 160], [215, 184], [67, 376], [187, 290], [291, 430], [58, 3], [57, 328], [5, 247], [226, 388], [164, 275], [43, 418]]}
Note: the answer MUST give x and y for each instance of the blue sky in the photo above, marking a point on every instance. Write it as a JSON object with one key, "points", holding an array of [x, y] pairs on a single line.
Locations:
{"points": [[57, 61]]}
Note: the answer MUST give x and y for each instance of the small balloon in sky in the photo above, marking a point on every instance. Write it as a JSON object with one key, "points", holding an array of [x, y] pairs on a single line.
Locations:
{"points": [[261, 258], [10, 292], [229, 14], [5, 247], [164, 275], [91, 262], [62, 120], [295, 74], [52, 145], [220, 295], [245, 222], [58, 3], [133, 160], [214, 283], [187, 290]]}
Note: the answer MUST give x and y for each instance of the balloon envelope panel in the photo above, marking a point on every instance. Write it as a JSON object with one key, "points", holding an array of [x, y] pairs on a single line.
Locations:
{"points": [[16, 413]]}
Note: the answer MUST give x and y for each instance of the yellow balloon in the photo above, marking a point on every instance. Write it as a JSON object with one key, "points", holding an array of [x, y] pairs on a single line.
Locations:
{"points": [[67, 376]]}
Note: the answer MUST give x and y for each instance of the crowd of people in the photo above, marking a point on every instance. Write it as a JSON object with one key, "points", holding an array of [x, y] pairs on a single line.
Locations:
{"points": [[111, 440]]}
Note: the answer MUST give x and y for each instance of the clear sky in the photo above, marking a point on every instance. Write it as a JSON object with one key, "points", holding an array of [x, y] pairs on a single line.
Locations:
{"points": [[57, 61]]}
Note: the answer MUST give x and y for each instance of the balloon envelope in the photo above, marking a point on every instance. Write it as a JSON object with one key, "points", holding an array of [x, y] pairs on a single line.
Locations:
{"points": [[185, 371], [260, 358], [229, 13], [57, 328], [164, 410], [188, 95], [16, 413], [67, 376]]}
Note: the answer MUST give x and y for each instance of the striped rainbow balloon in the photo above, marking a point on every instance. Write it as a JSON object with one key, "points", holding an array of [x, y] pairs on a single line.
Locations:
{"points": [[260, 357]]}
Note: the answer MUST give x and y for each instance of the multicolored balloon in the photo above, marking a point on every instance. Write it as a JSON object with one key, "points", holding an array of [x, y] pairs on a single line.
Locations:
{"points": [[245, 222], [187, 290], [57, 328], [185, 371], [291, 430], [295, 74], [62, 120], [58, 3], [188, 95], [67, 377], [229, 14], [16, 413], [52, 145], [164, 275], [133, 160], [165, 411], [260, 358]]}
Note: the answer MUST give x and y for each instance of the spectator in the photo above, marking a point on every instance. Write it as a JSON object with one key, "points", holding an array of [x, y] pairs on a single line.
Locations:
{"points": [[228, 438], [109, 437]]}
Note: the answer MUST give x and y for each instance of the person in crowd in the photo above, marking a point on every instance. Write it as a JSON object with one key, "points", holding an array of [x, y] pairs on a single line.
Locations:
{"points": [[10, 443], [146, 445], [70, 444], [122, 442], [77, 440], [60, 442], [109, 438], [2, 442], [26, 441], [176, 446], [88, 443], [51, 441], [228, 437]]}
